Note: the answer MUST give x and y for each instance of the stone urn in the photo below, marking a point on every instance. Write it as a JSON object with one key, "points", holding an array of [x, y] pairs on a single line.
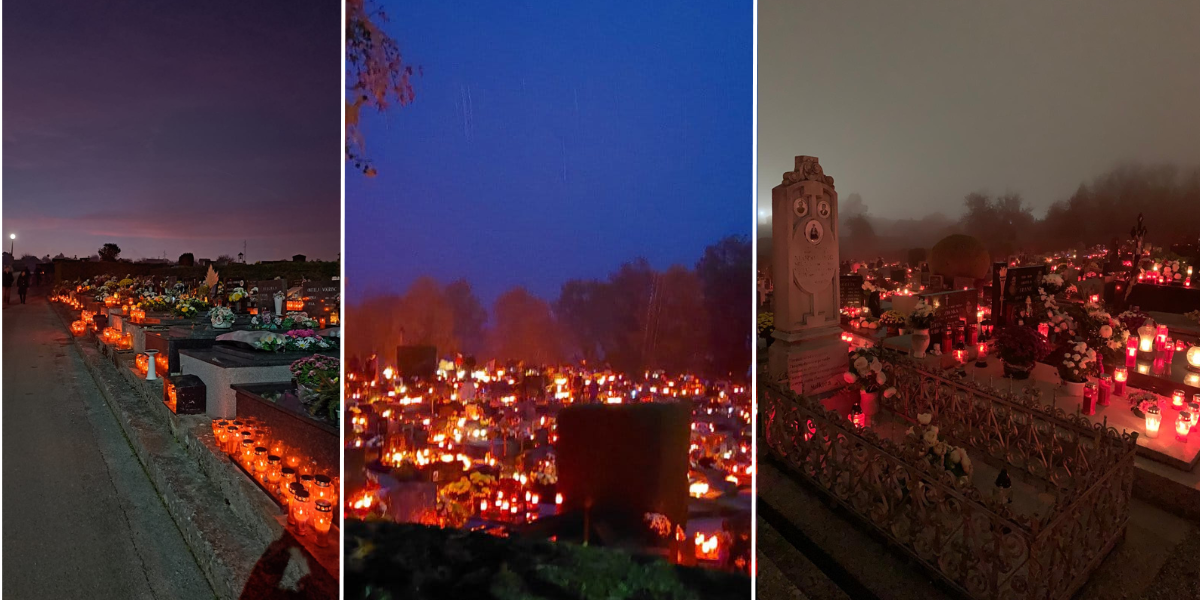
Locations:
{"points": [[920, 342]]}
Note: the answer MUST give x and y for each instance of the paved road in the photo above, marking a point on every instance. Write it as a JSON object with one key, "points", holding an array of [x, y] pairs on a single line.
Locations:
{"points": [[81, 519]]}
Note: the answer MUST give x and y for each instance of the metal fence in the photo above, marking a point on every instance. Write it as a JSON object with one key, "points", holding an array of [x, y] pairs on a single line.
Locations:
{"points": [[970, 538]]}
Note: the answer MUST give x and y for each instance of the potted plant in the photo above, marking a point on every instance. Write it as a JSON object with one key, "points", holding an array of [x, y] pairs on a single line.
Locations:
{"points": [[1078, 363], [872, 376], [921, 320], [893, 320], [221, 317], [1021, 346]]}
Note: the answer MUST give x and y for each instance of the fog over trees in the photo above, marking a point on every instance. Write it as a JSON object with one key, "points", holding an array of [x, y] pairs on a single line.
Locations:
{"points": [[1098, 211]]}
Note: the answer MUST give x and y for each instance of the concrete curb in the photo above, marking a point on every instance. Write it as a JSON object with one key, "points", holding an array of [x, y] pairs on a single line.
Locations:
{"points": [[225, 545]]}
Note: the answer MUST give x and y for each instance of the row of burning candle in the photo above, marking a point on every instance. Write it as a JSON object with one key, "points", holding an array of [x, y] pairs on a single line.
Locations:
{"points": [[113, 337], [308, 496]]}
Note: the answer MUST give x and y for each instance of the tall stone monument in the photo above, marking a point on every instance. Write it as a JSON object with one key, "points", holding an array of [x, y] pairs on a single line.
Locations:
{"points": [[808, 353]]}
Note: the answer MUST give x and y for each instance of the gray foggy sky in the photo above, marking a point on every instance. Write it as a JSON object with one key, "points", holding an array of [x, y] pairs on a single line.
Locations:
{"points": [[915, 104]]}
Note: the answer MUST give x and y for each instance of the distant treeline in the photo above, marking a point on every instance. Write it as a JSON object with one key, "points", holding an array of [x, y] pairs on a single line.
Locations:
{"points": [[681, 319], [1097, 212]]}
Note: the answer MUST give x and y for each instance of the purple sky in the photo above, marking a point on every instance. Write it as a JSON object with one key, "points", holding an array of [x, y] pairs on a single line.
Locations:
{"points": [[172, 127]]}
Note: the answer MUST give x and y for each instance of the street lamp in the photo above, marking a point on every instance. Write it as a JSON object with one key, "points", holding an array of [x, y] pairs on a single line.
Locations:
{"points": [[13, 237]]}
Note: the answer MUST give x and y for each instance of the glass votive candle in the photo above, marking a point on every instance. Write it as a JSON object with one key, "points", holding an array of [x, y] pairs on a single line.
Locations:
{"points": [[1090, 390], [260, 462], [300, 509], [1183, 425], [322, 521], [306, 481], [1177, 398], [1131, 352], [292, 459], [233, 440], [1104, 387], [218, 425], [289, 497], [274, 470], [307, 467], [278, 448], [287, 476], [246, 454], [1153, 421], [322, 488], [1194, 410], [1120, 376]]}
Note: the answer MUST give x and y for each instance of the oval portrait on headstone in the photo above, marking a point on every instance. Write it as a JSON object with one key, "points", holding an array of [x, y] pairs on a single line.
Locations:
{"points": [[800, 206], [814, 232], [823, 209]]}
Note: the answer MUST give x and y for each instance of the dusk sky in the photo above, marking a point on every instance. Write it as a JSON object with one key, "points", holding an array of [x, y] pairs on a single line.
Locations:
{"points": [[172, 127], [915, 104], [551, 141]]}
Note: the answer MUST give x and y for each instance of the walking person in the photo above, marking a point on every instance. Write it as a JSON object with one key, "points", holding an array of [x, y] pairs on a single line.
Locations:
{"points": [[8, 283], [23, 284]]}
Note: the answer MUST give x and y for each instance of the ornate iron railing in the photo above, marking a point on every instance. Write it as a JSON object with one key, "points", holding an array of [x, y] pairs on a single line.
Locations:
{"points": [[972, 540]]}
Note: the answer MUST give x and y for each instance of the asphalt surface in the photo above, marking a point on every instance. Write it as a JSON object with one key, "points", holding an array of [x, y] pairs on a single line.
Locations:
{"points": [[81, 518]]}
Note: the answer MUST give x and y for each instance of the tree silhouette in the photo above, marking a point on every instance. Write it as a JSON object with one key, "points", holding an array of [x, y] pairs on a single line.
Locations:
{"points": [[376, 74], [726, 272], [109, 252]]}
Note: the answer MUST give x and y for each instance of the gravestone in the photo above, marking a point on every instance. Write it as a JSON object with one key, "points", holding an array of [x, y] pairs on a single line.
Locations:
{"points": [[851, 291], [1016, 284], [320, 297], [265, 298], [951, 307], [936, 283], [898, 275], [809, 354]]}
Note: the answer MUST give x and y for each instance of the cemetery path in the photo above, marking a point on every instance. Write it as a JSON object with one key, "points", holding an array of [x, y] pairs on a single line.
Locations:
{"points": [[82, 518]]}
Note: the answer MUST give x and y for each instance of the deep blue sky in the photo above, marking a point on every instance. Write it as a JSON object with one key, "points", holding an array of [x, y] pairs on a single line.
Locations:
{"points": [[550, 141], [172, 127]]}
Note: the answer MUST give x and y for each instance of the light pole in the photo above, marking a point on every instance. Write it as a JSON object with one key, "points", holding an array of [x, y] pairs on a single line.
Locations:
{"points": [[13, 238]]}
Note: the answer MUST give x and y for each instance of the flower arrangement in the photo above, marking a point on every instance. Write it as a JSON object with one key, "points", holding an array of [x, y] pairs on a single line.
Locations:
{"points": [[125, 283], [1140, 401], [164, 303], [922, 316], [1078, 363], [1022, 345], [766, 324], [318, 379], [868, 371], [939, 453], [221, 317], [293, 320], [237, 294], [1052, 283], [1134, 318], [891, 318], [869, 287]]}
